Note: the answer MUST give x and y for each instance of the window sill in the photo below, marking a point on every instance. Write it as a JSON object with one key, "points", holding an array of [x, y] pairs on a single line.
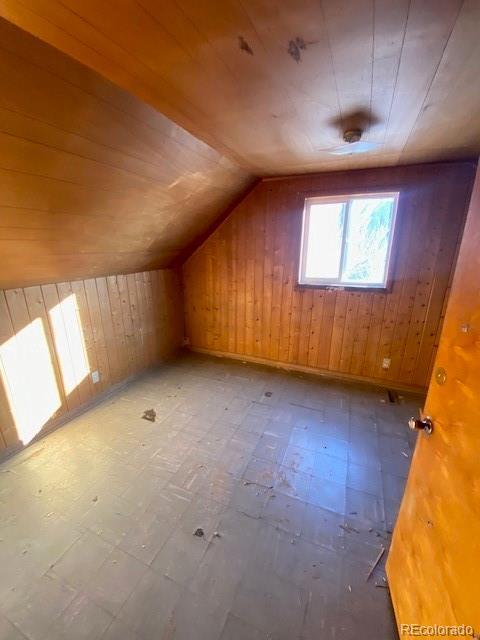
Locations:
{"points": [[341, 287]]}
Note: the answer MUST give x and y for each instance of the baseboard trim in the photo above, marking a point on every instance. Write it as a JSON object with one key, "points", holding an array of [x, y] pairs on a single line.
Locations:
{"points": [[322, 373]]}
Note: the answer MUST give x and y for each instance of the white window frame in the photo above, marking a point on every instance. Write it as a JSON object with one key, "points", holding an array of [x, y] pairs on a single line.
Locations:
{"points": [[347, 200]]}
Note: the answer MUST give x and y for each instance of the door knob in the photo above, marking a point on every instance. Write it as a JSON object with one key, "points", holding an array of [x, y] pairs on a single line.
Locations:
{"points": [[421, 424]]}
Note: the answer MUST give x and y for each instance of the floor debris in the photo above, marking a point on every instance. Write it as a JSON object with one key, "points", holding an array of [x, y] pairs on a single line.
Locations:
{"points": [[348, 528], [375, 564], [393, 397], [150, 415], [305, 406], [295, 47], [268, 394], [244, 46], [247, 483], [266, 515]]}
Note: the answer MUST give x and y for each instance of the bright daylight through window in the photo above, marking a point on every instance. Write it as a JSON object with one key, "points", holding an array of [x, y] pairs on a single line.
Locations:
{"points": [[347, 240]]}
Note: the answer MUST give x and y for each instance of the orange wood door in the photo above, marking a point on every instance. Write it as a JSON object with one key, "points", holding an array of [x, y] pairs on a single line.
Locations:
{"points": [[434, 562]]}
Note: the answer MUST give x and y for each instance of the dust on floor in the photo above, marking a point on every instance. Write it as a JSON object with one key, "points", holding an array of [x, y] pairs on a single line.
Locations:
{"points": [[295, 483]]}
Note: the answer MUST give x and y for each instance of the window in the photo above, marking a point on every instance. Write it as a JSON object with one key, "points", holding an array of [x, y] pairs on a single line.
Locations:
{"points": [[347, 240]]}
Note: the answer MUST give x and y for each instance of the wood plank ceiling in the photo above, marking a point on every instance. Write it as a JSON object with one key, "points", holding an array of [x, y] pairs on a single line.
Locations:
{"points": [[93, 181], [271, 83]]}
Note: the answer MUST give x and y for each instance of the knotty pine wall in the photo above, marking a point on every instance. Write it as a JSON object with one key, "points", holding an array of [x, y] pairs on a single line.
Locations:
{"points": [[127, 323], [242, 298]]}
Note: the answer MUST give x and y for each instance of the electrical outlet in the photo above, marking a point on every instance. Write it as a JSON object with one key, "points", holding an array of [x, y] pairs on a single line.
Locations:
{"points": [[386, 363], [95, 377]]}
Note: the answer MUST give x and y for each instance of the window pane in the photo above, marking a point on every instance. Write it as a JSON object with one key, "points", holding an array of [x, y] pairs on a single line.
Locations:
{"points": [[368, 237], [324, 244]]}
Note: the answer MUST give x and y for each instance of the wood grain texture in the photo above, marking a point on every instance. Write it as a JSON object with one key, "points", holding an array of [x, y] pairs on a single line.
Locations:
{"points": [[92, 181], [242, 297], [127, 323], [272, 83], [435, 553]]}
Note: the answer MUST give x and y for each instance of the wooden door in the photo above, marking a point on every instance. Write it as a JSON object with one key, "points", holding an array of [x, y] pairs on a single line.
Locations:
{"points": [[434, 562]]}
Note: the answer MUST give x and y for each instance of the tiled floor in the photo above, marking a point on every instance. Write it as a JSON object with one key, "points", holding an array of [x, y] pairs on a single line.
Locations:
{"points": [[295, 482]]}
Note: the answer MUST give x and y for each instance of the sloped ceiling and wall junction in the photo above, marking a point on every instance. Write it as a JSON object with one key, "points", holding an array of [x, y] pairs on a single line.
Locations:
{"points": [[130, 128]]}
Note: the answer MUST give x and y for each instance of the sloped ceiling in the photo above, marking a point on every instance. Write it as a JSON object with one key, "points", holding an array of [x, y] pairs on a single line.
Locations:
{"points": [[95, 181], [92, 180], [272, 83]]}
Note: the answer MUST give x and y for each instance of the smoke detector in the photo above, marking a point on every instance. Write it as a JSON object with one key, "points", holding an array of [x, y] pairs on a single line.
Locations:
{"points": [[352, 135]]}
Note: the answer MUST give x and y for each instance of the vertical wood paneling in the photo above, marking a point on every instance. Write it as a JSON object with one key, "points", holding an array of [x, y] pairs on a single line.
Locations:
{"points": [[37, 309], [127, 323], [108, 331], [242, 297], [98, 334], [78, 289], [59, 333], [84, 388], [8, 432]]}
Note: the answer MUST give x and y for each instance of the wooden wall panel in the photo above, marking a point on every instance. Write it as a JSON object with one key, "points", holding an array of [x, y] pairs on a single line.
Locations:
{"points": [[92, 181], [242, 297], [126, 324]]}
